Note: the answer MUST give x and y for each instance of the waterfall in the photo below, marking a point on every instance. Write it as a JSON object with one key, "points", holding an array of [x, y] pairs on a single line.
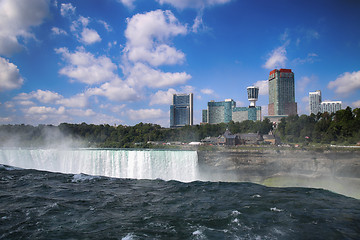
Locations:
{"points": [[137, 164]]}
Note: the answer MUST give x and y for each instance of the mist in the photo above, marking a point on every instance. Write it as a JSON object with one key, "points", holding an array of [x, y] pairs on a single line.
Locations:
{"points": [[42, 136]]}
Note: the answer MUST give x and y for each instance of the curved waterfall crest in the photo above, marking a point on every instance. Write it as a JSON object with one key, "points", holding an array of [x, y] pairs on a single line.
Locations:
{"points": [[120, 163]]}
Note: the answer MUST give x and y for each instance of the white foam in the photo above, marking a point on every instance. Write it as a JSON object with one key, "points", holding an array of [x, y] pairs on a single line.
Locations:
{"points": [[129, 236], [83, 177], [274, 209]]}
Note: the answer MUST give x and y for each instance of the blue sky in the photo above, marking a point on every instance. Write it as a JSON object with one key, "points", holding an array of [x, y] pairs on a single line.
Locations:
{"points": [[120, 61]]}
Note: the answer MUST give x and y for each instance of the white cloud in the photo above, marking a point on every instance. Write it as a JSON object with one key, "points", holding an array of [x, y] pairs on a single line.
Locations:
{"points": [[42, 110], [162, 97], [207, 91], [90, 36], [188, 89], [78, 101], [128, 3], [277, 58], [304, 82], [16, 19], [81, 113], [25, 103], [146, 114], [106, 25], [58, 31], [148, 35], [42, 96], [199, 24], [193, 3], [5, 119], [310, 58], [263, 87], [85, 67], [142, 75], [9, 75], [346, 83], [67, 9], [116, 90], [83, 33]]}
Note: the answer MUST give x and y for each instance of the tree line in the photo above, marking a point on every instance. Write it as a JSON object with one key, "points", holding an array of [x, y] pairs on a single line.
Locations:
{"points": [[104, 135], [342, 127]]}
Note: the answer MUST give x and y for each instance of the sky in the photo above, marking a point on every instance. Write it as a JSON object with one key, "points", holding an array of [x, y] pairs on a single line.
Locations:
{"points": [[120, 61]]}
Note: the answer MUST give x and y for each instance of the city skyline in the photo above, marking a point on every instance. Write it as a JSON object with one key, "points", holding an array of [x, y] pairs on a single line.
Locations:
{"points": [[121, 61]]}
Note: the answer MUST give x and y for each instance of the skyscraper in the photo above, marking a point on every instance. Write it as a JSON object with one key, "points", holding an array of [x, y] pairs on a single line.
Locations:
{"points": [[181, 111], [315, 102], [282, 93]]}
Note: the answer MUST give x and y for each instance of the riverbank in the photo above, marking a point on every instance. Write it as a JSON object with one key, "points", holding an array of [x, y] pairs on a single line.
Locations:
{"points": [[338, 171]]}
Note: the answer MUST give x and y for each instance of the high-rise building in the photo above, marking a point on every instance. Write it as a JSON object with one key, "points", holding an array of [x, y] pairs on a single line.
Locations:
{"points": [[314, 102], [181, 111], [282, 93], [330, 106], [220, 112], [226, 111]]}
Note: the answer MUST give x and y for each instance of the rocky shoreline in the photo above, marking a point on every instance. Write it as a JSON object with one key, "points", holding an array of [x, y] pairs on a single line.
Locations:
{"points": [[338, 171]]}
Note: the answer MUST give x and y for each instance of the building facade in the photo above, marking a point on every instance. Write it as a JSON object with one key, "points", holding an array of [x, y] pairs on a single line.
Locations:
{"points": [[330, 106], [315, 102], [220, 112], [226, 111], [282, 93], [181, 111]]}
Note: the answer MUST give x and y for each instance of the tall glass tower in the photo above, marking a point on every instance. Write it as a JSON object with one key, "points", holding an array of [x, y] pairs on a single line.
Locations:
{"points": [[282, 93], [181, 111]]}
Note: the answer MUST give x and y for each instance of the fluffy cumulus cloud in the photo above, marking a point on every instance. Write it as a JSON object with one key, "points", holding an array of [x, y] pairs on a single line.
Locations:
{"points": [[16, 19], [116, 90], [84, 67], [9, 75], [83, 33], [162, 97], [277, 58], [44, 110], [263, 87], [192, 3], [346, 83], [78, 101], [41, 95], [90, 36], [141, 75], [148, 36], [49, 97], [145, 114]]}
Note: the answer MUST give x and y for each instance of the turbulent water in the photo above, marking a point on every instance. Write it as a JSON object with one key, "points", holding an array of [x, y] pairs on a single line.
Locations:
{"points": [[47, 205]]}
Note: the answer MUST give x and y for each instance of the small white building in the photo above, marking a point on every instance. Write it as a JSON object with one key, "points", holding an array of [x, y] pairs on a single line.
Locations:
{"points": [[330, 106]]}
